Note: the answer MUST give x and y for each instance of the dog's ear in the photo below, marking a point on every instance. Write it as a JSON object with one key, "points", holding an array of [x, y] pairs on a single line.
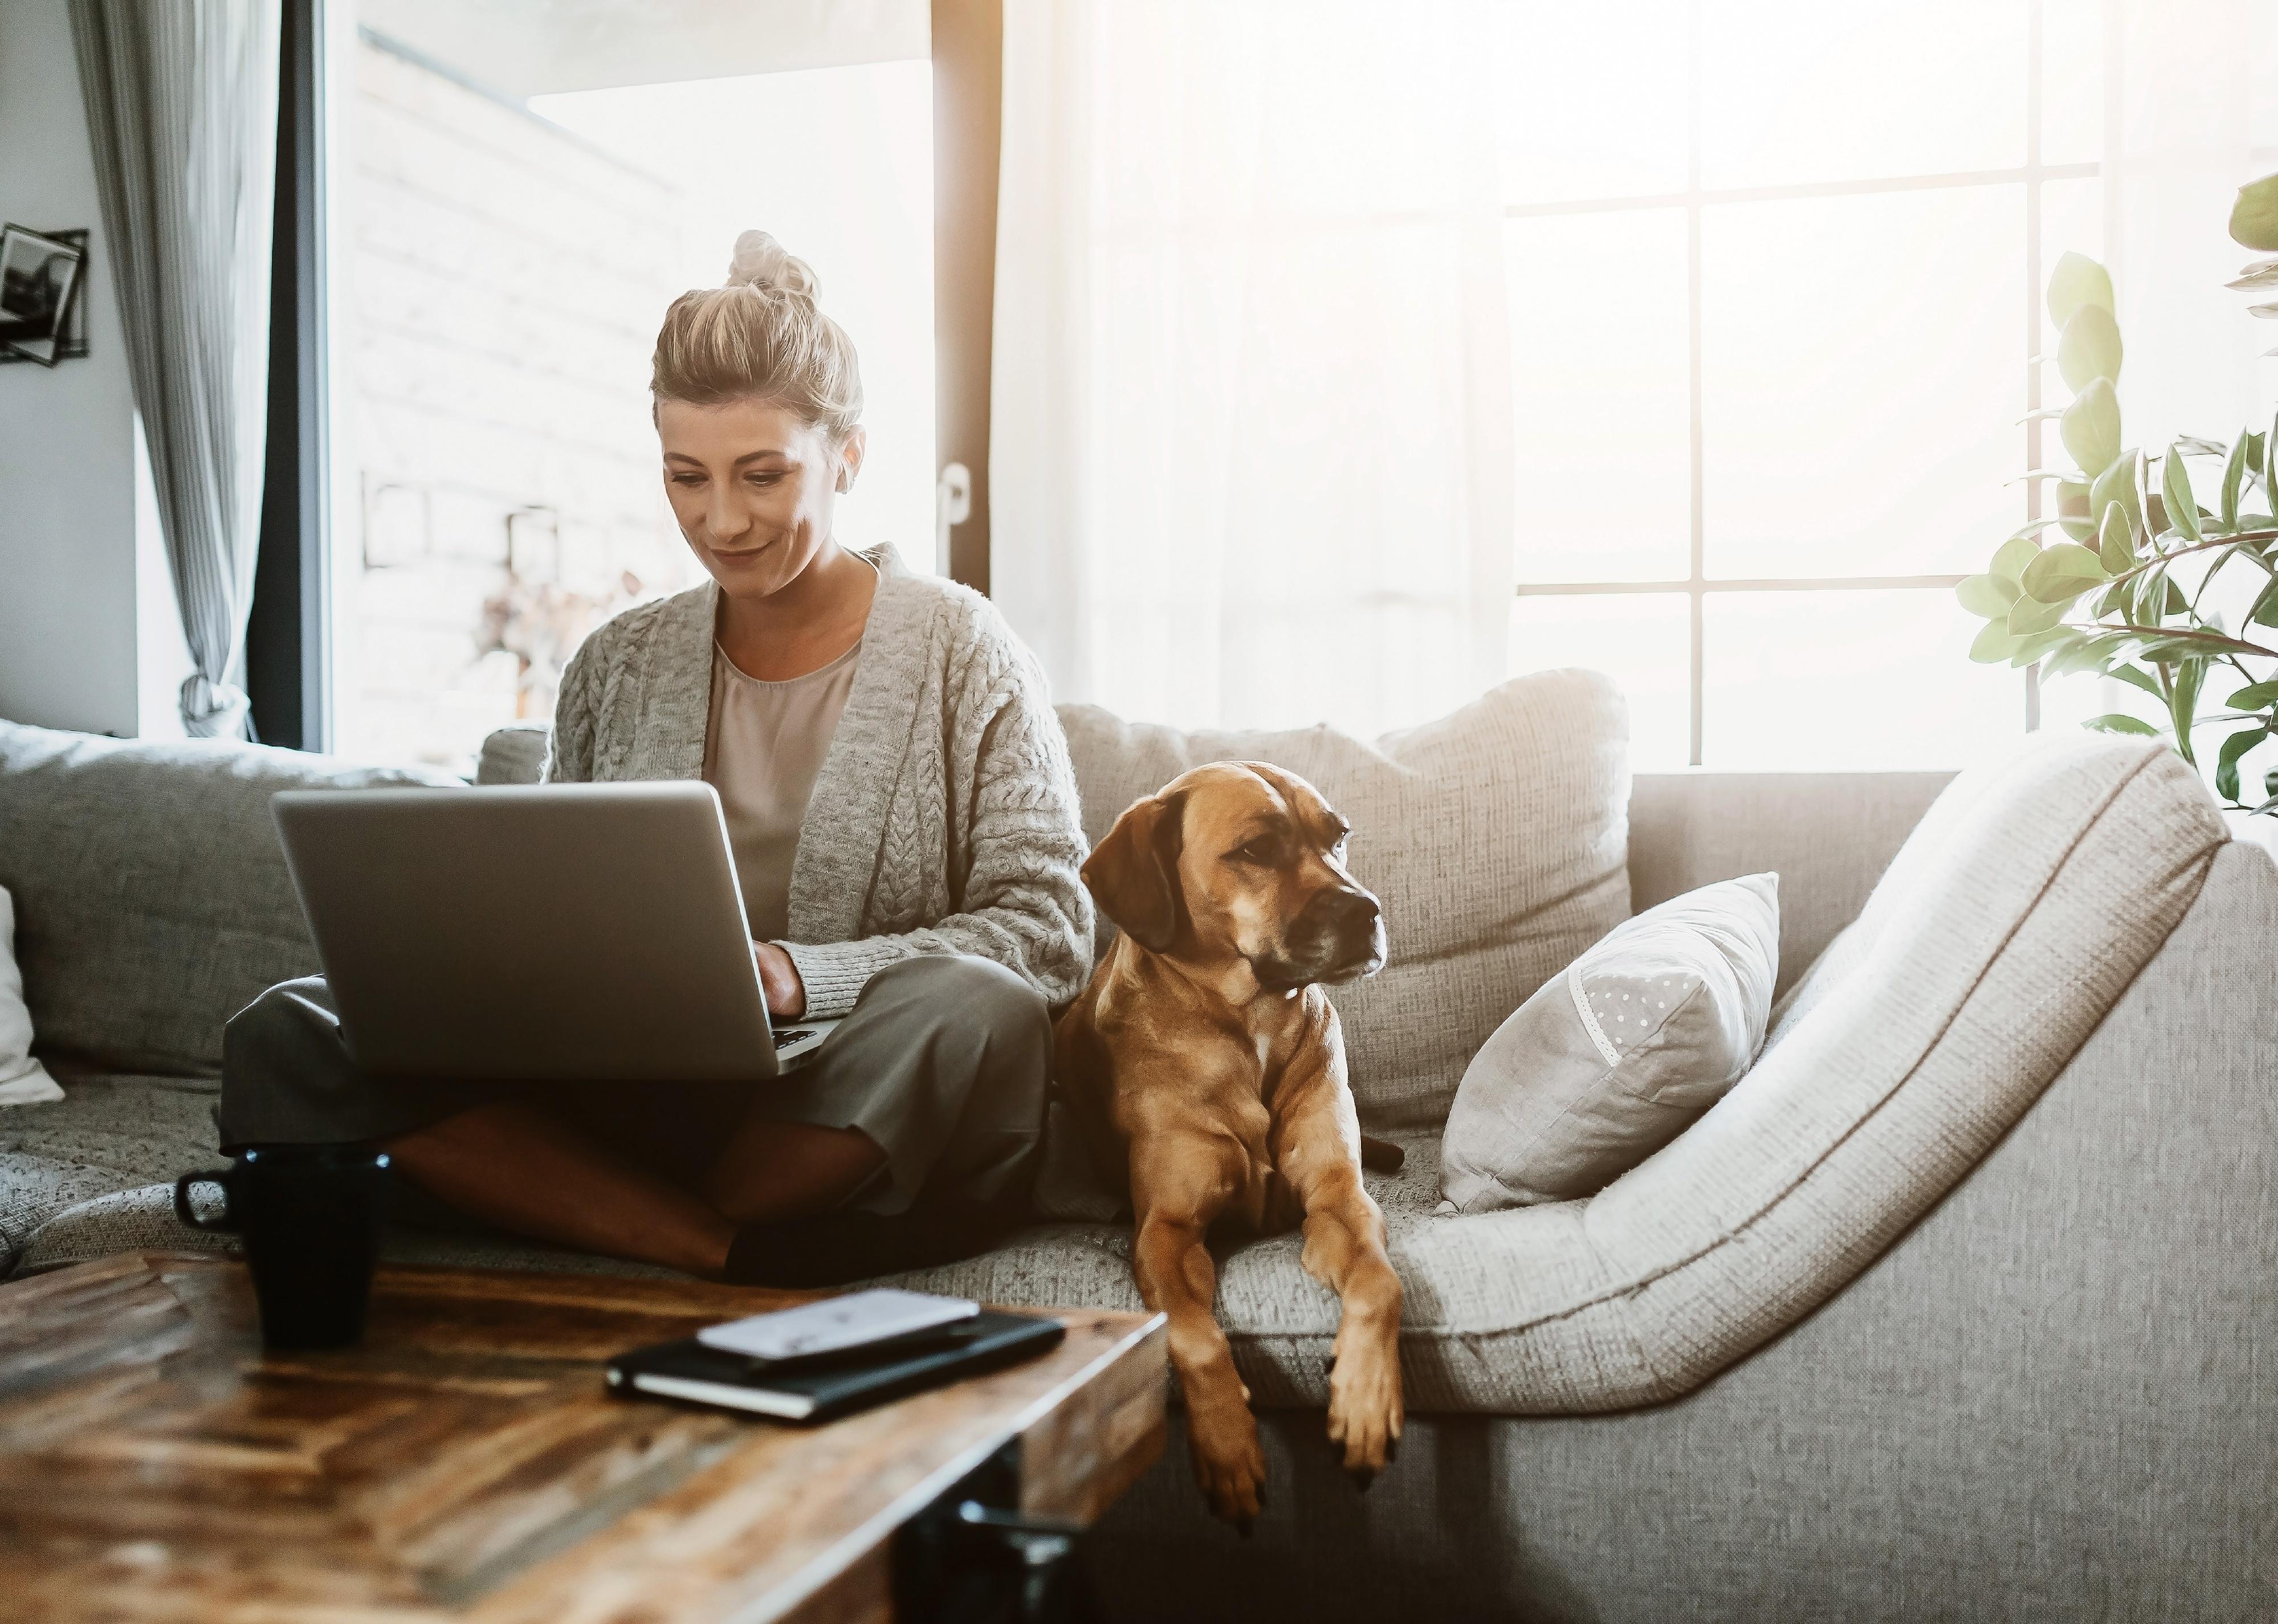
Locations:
{"points": [[1134, 874]]}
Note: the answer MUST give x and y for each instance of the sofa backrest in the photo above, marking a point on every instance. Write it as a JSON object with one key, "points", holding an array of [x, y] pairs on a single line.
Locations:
{"points": [[152, 900], [1828, 835]]}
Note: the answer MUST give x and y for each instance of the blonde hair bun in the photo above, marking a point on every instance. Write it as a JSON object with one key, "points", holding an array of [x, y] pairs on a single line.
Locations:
{"points": [[760, 262], [761, 335]]}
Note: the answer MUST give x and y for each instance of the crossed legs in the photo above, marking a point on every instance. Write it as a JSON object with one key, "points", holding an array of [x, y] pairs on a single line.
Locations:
{"points": [[935, 1082], [528, 1170]]}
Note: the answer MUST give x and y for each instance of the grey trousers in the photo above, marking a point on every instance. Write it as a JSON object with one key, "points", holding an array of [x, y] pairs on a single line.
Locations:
{"points": [[943, 1063]]}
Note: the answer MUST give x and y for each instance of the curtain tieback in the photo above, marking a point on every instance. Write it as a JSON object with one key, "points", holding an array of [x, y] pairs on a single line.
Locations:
{"points": [[211, 709]]}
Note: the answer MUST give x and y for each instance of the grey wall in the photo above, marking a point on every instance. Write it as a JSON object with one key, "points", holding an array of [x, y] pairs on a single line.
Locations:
{"points": [[87, 634]]}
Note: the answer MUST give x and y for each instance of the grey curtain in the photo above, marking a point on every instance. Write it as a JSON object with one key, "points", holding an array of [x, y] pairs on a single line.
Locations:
{"points": [[182, 111]]}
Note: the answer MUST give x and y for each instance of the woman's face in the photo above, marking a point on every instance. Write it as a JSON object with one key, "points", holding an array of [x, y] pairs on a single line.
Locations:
{"points": [[754, 489]]}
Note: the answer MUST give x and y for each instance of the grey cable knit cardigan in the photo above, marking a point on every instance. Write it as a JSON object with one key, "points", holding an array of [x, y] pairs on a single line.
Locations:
{"points": [[945, 818]]}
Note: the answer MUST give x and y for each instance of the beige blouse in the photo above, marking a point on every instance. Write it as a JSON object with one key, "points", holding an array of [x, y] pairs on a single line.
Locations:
{"points": [[763, 746]]}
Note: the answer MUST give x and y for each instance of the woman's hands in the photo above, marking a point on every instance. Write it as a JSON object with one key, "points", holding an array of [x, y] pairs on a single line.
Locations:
{"points": [[779, 979]]}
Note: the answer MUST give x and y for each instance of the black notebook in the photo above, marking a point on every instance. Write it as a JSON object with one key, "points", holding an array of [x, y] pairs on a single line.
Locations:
{"points": [[810, 1389]]}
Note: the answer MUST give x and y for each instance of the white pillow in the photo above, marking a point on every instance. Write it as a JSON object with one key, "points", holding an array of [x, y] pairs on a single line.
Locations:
{"points": [[1616, 1057], [23, 1080]]}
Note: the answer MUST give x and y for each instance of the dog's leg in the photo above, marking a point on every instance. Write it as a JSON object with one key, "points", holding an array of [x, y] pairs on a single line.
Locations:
{"points": [[1318, 1150], [1344, 1251], [1178, 1192]]}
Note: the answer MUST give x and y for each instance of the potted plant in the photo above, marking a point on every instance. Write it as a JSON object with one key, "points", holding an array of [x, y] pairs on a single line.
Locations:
{"points": [[2120, 579]]}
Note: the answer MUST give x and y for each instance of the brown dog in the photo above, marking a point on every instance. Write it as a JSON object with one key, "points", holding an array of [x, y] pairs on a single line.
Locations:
{"points": [[1205, 1062]]}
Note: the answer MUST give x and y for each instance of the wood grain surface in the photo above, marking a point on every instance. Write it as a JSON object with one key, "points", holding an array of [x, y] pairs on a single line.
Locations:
{"points": [[467, 1461]]}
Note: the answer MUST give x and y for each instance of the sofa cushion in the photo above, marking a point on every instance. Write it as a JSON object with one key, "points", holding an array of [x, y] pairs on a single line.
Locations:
{"points": [[1496, 837], [107, 1133], [1616, 1056], [2028, 899], [514, 754], [92, 1174], [152, 901]]}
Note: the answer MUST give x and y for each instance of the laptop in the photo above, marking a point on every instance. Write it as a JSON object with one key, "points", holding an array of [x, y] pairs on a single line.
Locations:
{"points": [[557, 933]]}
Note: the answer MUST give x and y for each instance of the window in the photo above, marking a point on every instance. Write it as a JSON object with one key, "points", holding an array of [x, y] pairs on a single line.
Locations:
{"points": [[1772, 331], [1347, 367], [518, 193]]}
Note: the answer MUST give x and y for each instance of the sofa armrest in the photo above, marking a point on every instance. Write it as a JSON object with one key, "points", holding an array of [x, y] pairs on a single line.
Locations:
{"points": [[1828, 835]]}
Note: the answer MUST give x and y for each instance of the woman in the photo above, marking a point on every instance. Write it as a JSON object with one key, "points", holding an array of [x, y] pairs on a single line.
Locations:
{"points": [[899, 800]]}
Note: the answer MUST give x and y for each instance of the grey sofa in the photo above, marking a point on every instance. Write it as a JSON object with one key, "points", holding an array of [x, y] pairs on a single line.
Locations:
{"points": [[1961, 1314]]}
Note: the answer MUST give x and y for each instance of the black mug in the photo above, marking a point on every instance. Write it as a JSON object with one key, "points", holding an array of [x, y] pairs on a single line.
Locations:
{"points": [[311, 1216]]}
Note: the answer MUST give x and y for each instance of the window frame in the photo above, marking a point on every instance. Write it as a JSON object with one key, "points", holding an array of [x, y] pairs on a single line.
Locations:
{"points": [[288, 674]]}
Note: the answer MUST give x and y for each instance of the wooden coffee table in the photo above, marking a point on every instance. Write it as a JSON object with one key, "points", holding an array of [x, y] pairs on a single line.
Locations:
{"points": [[466, 1462]]}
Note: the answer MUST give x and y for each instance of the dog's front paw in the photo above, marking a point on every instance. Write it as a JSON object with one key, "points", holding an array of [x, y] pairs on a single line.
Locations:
{"points": [[1229, 1466], [1365, 1411]]}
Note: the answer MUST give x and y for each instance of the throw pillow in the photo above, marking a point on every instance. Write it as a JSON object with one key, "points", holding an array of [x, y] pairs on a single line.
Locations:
{"points": [[23, 1080], [1610, 1061]]}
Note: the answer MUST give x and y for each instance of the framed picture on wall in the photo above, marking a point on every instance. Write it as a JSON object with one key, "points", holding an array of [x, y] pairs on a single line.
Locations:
{"points": [[39, 292]]}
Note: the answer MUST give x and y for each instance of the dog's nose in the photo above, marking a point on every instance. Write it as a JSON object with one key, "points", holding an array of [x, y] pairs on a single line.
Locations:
{"points": [[1350, 909]]}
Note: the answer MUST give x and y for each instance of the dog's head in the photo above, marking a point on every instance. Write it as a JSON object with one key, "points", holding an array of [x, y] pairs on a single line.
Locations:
{"points": [[1240, 860]]}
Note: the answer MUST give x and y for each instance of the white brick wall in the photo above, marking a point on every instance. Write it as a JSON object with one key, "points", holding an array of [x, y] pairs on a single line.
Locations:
{"points": [[501, 298]]}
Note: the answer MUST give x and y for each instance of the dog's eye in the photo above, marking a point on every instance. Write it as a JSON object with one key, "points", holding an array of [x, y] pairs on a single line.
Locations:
{"points": [[1262, 849]]}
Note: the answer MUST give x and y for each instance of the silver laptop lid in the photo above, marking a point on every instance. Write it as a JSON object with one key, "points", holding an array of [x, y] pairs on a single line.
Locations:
{"points": [[555, 933]]}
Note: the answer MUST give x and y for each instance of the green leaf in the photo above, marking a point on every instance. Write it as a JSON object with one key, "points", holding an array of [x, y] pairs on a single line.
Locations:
{"points": [[2030, 617], [2253, 217], [2117, 721], [2062, 573], [1987, 597], [2090, 428], [2089, 347], [2226, 765], [2116, 486], [2141, 678], [2084, 654], [1994, 645], [2115, 548], [2254, 696], [2264, 611], [2233, 474], [2147, 500], [2010, 559], [2183, 702], [2150, 596], [2078, 280], [2043, 644], [2176, 604], [2270, 463], [2255, 274], [2182, 507]]}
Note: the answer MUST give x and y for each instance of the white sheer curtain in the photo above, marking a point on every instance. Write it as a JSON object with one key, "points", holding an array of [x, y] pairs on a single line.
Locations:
{"points": [[181, 112], [1264, 266], [1251, 457]]}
